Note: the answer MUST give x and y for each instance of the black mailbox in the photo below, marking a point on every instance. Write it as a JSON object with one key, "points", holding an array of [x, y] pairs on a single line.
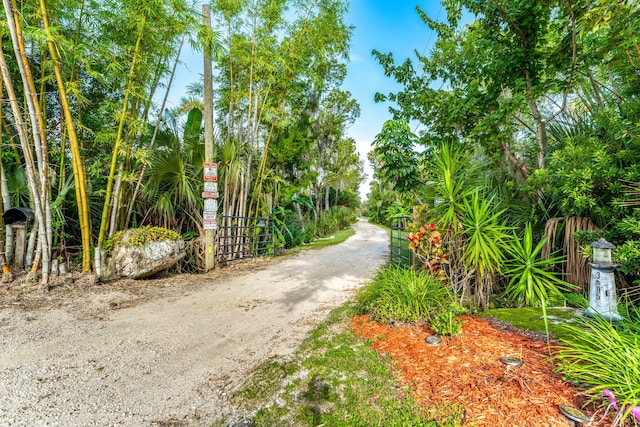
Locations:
{"points": [[18, 216]]}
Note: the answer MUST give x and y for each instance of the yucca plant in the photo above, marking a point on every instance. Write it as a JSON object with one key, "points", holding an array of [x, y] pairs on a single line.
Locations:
{"points": [[401, 295], [452, 172], [603, 356], [484, 243], [531, 278]]}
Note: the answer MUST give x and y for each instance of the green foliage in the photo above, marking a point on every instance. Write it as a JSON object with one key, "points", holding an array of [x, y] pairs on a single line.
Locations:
{"points": [[586, 166], [288, 230], [586, 237], [401, 295], [627, 256], [342, 217], [601, 355], [395, 211], [446, 323], [18, 185], [531, 278], [395, 145], [576, 300], [292, 232], [451, 171], [485, 235], [379, 200]]}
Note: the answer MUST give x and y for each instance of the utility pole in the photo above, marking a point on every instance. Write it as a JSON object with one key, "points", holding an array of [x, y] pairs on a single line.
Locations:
{"points": [[210, 219]]}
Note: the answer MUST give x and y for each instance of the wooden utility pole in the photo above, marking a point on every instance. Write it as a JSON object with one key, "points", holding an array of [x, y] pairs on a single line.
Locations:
{"points": [[210, 230]]}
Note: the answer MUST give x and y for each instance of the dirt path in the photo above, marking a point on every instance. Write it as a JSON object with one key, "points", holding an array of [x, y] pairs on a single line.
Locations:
{"points": [[171, 360]]}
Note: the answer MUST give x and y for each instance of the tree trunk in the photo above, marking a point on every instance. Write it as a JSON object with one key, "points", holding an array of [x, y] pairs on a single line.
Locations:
{"points": [[4, 192], [117, 191], [326, 198], [541, 134]]}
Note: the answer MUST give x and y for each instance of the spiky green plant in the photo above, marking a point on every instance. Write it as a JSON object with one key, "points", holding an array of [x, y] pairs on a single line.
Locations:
{"points": [[453, 185], [484, 243], [531, 278]]}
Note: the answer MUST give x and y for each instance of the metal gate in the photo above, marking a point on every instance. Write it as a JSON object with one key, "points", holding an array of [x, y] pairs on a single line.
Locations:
{"points": [[241, 237], [399, 246]]}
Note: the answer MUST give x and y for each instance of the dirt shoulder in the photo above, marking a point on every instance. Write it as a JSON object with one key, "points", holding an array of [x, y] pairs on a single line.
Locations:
{"points": [[166, 351]]}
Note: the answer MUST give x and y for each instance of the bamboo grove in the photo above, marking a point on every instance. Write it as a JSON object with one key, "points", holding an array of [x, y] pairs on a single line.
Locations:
{"points": [[90, 147]]}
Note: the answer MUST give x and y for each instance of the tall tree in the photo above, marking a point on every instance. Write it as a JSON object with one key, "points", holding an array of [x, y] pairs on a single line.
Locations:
{"points": [[504, 77]]}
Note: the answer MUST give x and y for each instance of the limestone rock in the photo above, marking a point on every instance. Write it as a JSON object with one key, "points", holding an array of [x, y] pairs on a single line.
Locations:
{"points": [[141, 261]]}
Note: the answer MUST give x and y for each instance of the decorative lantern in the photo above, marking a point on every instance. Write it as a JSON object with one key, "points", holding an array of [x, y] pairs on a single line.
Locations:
{"points": [[602, 292]]}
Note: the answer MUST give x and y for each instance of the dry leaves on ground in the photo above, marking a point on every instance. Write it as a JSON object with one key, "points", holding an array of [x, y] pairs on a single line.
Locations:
{"points": [[467, 371]]}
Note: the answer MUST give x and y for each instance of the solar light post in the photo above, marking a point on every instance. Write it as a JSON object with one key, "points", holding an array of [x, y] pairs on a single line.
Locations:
{"points": [[602, 291]]}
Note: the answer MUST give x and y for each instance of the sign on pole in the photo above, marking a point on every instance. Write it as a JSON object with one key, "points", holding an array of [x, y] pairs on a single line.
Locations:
{"points": [[210, 171], [210, 205], [210, 168], [210, 190], [210, 220]]}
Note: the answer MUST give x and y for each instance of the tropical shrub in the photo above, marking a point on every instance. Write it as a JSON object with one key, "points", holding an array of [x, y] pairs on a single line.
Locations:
{"points": [[427, 245], [447, 322], [483, 244], [327, 223], [400, 295], [335, 219], [627, 256], [531, 278]]}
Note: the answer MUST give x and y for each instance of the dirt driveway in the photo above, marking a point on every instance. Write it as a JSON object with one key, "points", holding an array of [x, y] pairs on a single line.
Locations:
{"points": [[169, 354]]}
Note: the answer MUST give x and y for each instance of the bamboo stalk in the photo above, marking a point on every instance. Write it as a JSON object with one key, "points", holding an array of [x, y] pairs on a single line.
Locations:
{"points": [[38, 192], [116, 148], [76, 158]]}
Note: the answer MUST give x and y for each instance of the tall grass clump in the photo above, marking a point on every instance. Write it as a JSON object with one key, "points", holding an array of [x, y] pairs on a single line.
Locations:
{"points": [[402, 295], [602, 356]]}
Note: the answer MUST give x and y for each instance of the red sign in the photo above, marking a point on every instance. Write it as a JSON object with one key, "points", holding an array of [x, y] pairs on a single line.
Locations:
{"points": [[210, 195], [210, 171]]}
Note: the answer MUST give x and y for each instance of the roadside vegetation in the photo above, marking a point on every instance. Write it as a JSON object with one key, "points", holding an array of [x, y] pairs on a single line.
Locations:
{"points": [[511, 159], [91, 148], [334, 379], [514, 144]]}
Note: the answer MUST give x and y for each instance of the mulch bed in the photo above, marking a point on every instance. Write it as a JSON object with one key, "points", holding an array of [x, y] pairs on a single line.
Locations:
{"points": [[467, 371]]}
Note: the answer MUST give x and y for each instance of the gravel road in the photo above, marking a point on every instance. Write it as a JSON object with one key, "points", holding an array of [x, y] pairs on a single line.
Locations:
{"points": [[174, 359]]}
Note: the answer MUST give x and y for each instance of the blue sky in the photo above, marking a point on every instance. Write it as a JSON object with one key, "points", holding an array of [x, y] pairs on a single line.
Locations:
{"points": [[385, 25], [388, 26]]}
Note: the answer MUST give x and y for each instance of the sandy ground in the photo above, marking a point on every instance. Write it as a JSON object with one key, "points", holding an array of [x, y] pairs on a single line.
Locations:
{"points": [[173, 353]]}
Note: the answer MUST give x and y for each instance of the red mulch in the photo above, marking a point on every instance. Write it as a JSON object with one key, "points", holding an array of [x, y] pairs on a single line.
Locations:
{"points": [[466, 370]]}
